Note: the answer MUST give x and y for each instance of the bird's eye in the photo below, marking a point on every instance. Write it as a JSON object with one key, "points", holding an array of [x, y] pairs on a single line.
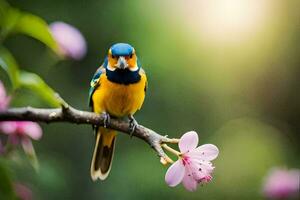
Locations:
{"points": [[113, 56], [131, 55]]}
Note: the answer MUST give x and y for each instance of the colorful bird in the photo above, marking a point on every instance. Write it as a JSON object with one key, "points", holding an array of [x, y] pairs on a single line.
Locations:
{"points": [[117, 89]]}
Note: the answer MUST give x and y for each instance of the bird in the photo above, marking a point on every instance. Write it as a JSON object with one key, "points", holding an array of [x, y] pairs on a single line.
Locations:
{"points": [[117, 89]]}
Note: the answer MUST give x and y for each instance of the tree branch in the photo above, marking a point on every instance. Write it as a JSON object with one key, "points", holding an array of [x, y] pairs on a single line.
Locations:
{"points": [[72, 115]]}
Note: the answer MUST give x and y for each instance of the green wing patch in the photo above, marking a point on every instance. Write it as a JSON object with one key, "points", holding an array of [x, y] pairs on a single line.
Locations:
{"points": [[95, 82]]}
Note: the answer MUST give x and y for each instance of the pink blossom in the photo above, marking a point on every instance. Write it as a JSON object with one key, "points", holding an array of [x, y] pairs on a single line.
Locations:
{"points": [[21, 129], [282, 183], [69, 39], [22, 191], [22, 132], [18, 131], [4, 100], [194, 166]]}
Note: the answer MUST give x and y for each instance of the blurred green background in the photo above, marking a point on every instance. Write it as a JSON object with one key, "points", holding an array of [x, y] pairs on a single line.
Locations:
{"points": [[228, 69]]}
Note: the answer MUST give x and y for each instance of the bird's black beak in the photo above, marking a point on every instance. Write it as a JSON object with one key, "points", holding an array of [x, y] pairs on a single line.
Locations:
{"points": [[122, 63]]}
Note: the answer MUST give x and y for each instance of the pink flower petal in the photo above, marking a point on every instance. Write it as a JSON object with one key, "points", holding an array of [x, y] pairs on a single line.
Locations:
{"points": [[188, 141], [70, 40], [8, 127], [198, 168], [282, 183], [175, 174], [189, 183], [31, 129], [205, 152], [22, 192], [4, 103], [2, 91], [4, 100]]}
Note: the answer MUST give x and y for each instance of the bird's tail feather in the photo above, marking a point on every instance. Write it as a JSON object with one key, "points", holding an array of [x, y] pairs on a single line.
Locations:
{"points": [[103, 153]]}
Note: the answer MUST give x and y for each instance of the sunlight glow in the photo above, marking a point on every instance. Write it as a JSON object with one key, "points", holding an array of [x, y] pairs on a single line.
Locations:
{"points": [[227, 20]]}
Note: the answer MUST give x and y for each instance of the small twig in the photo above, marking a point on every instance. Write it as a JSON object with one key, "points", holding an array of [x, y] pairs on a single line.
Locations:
{"points": [[171, 150], [62, 102], [72, 115]]}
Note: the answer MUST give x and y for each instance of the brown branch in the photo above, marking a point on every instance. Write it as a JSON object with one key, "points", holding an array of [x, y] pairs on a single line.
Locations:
{"points": [[72, 115]]}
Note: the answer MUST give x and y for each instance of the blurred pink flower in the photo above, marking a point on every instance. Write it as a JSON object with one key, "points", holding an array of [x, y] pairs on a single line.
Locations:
{"points": [[282, 184], [194, 166], [21, 129], [22, 132], [22, 191], [69, 39], [4, 100], [18, 131]]}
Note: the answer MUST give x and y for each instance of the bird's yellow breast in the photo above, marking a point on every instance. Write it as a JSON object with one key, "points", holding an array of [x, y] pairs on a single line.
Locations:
{"points": [[118, 99]]}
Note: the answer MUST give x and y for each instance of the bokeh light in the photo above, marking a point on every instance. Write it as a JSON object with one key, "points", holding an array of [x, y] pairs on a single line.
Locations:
{"points": [[228, 20]]}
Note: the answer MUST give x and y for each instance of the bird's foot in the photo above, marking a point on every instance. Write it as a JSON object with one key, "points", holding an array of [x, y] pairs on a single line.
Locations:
{"points": [[132, 124], [106, 120]]}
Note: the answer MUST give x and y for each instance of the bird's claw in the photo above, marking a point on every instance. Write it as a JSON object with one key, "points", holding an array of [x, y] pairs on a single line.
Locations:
{"points": [[132, 124], [106, 120]]}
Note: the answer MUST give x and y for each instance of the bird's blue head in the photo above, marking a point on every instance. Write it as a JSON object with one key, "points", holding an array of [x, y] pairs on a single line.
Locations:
{"points": [[122, 56]]}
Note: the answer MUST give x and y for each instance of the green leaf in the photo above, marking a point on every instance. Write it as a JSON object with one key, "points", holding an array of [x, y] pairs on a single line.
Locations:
{"points": [[6, 186], [9, 64], [26, 79], [37, 28], [13, 20], [10, 18], [3, 9], [35, 83]]}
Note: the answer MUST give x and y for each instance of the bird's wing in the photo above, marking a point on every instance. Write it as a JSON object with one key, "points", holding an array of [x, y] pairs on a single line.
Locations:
{"points": [[143, 73], [95, 82]]}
